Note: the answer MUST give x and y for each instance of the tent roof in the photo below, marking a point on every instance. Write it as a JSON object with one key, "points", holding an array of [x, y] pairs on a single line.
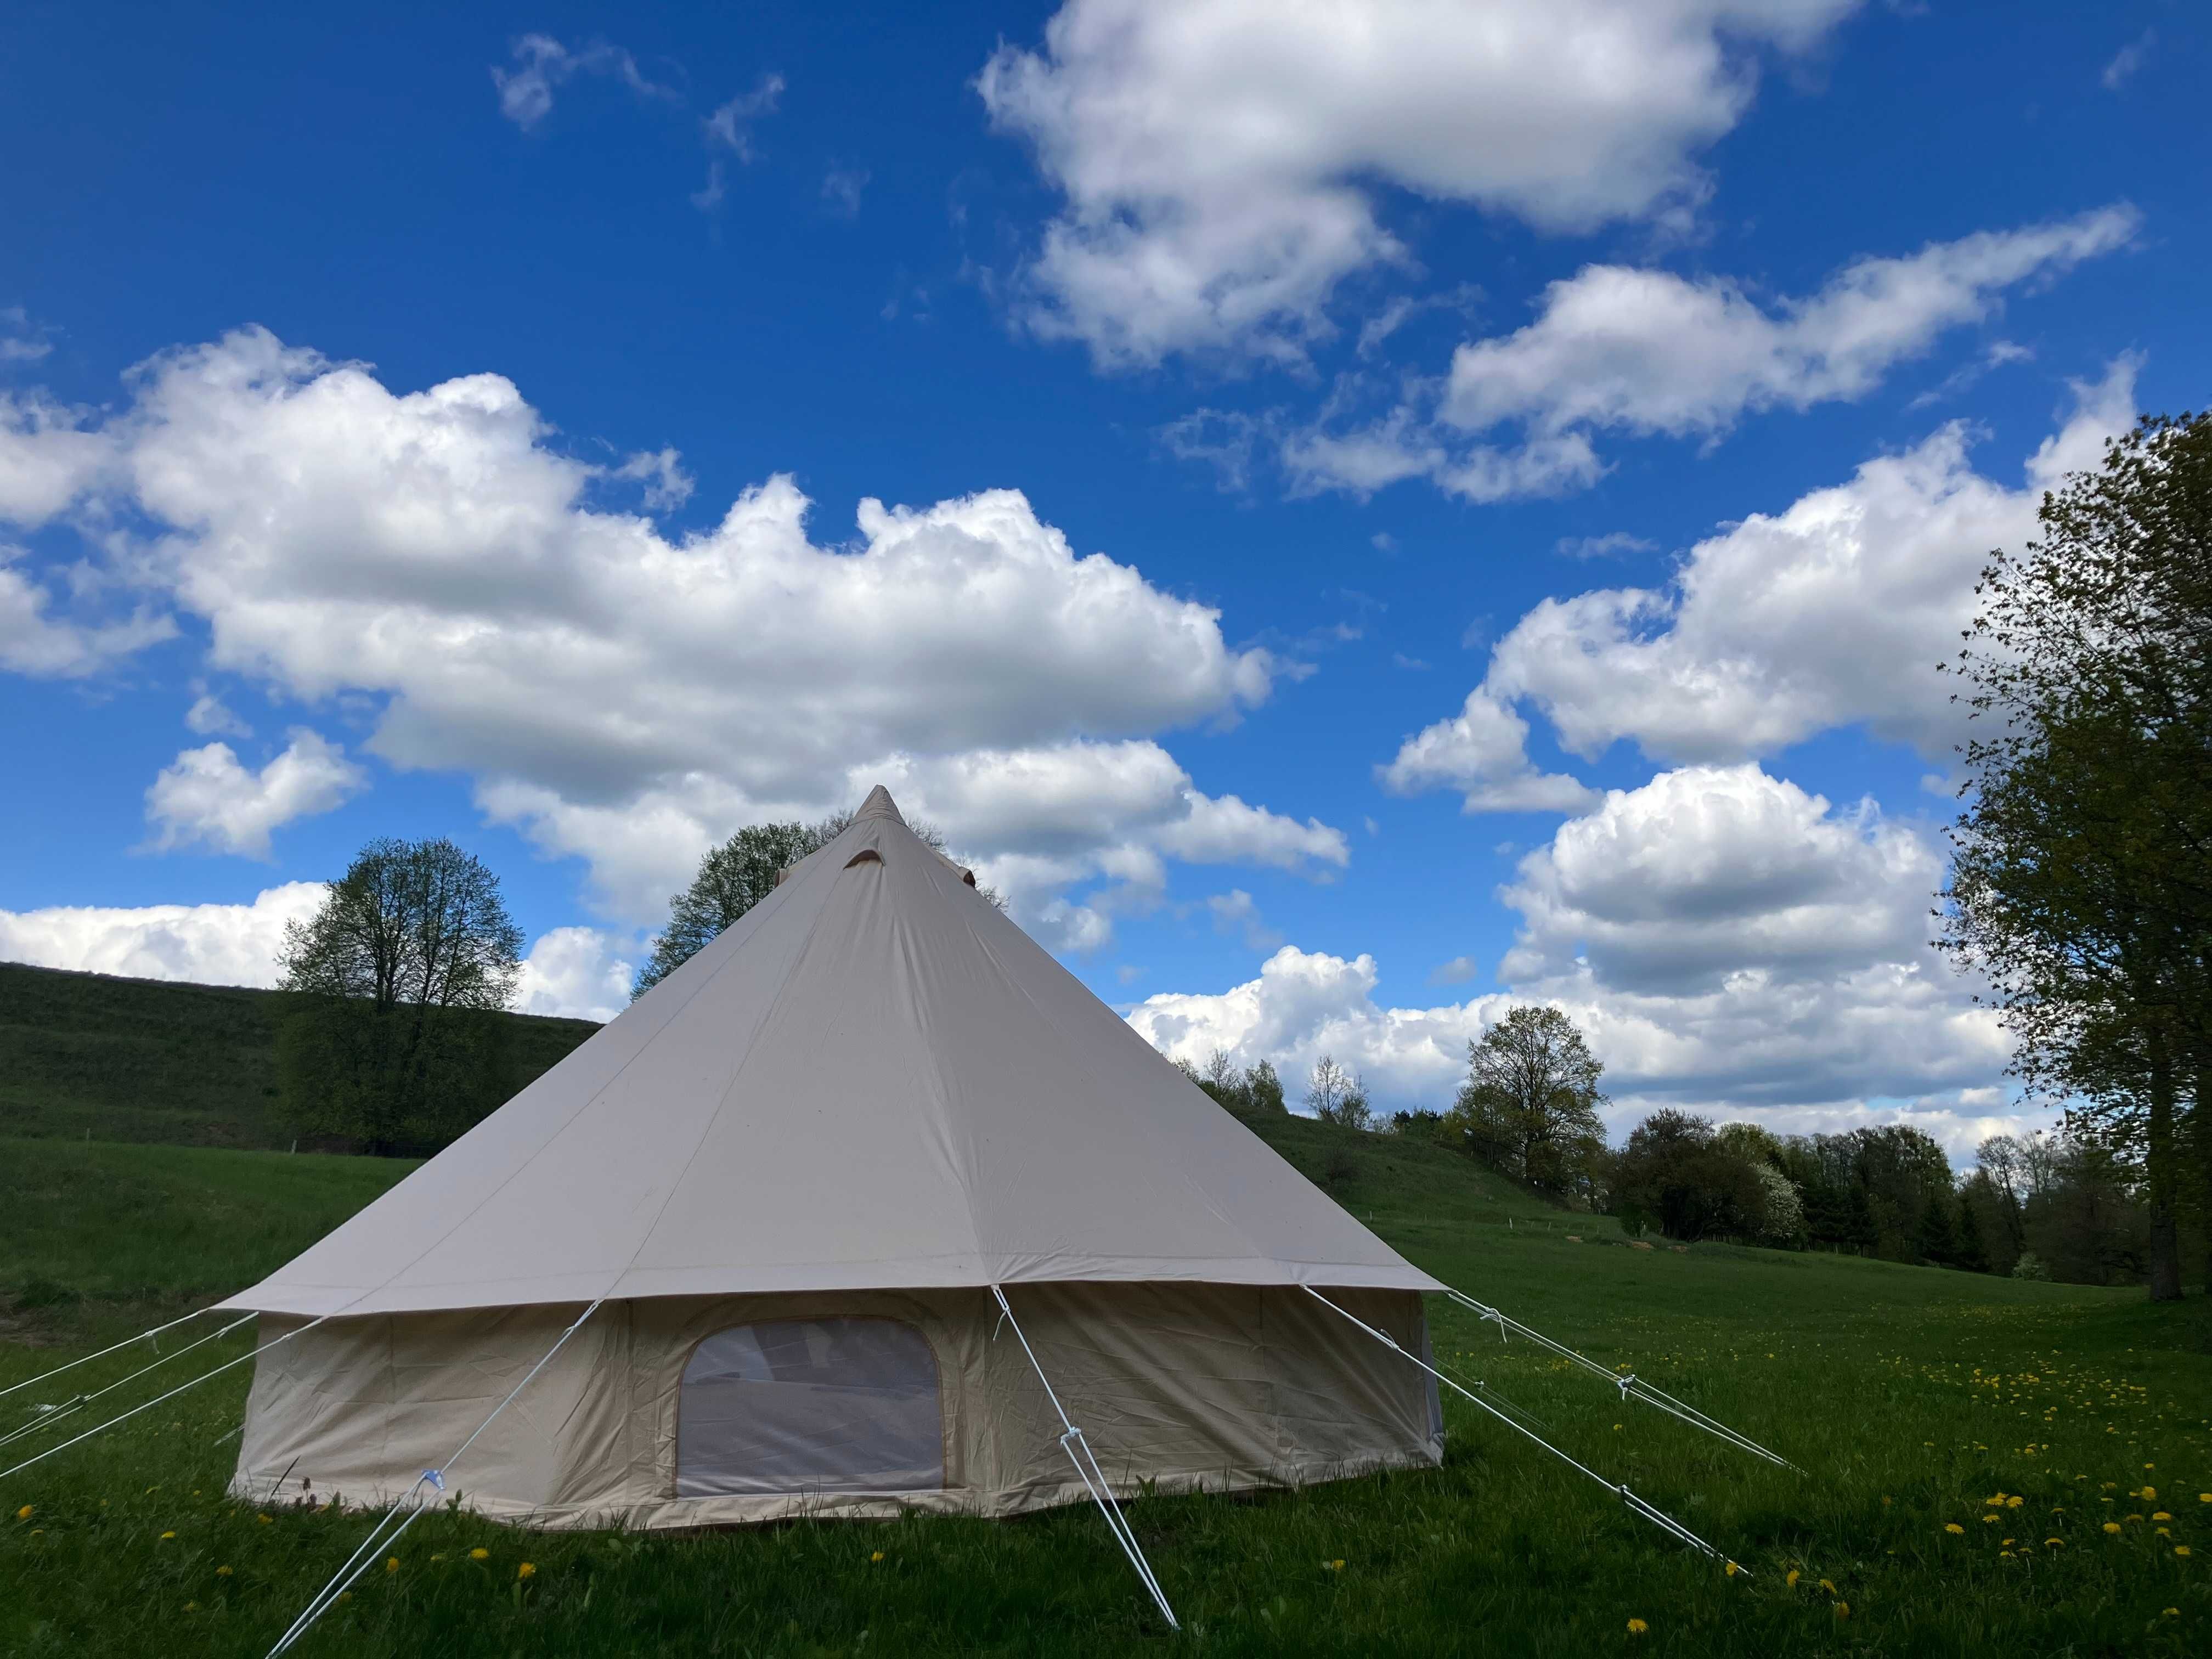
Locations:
{"points": [[872, 1080]]}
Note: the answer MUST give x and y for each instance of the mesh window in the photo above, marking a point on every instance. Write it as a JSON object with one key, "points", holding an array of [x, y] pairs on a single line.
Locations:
{"points": [[810, 1405]]}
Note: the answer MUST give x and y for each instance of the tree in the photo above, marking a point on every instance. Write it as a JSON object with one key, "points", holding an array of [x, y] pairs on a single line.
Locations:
{"points": [[1529, 1104], [1336, 1096], [738, 875], [732, 879], [1264, 1088], [1933, 1239], [2001, 1184], [1783, 1207], [1674, 1172], [1971, 1255], [390, 1035], [2081, 885]]}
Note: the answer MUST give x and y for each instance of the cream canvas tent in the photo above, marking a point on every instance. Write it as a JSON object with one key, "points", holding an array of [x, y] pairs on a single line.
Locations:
{"points": [[791, 1185]]}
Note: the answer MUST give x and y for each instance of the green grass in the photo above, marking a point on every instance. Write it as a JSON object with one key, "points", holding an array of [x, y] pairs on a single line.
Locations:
{"points": [[1910, 1396], [89, 1054]]}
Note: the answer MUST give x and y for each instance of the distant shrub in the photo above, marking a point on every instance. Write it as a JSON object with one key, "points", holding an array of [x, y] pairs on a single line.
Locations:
{"points": [[2030, 1266]]}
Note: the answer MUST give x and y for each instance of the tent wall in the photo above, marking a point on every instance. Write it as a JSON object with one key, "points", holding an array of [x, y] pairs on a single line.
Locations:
{"points": [[1185, 1386]]}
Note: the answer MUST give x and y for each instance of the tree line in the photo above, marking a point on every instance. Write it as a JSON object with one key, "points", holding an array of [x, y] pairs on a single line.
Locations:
{"points": [[2049, 1205]]}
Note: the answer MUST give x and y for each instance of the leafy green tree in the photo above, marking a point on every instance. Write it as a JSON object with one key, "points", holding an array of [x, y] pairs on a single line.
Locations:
{"points": [[732, 879], [391, 1034], [1934, 1239], [1264, 1088], [1675, 1172], [1971, 1255], [2081, 880], [1528, 1107]]}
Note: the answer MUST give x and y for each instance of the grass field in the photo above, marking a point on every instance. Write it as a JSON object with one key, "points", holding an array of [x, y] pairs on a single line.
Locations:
{"points": [[1912, 1398], [148, 1061]]}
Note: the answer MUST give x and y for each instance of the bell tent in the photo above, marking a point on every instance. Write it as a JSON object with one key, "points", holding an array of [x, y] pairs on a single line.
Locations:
{"points": [[798, 1192]]}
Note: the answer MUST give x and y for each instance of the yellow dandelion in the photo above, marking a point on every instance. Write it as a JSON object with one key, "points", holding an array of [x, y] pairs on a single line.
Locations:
{"points": [[25, 1513], [2014, 1502], [1636, 1627], [2112, 1526], [1790, 1582], [437, 1558], [168, 1535], [1989, 1520], [878, 1556], [2173, 1612], [527, 1569], [2166, 1532], [263, 1519], [2149, 1493], [2181, 1550], [1733, 1569], [223, 1572], [2161, 1514], [1828, 1586], [191, 1607], [2005, 1544], [391, 1564], [2052, 1543], [1843, 1609], [1953, 1526], [479, 1555]]}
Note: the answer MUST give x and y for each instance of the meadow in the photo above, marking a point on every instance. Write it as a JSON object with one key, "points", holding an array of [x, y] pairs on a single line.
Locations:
{"points": [[1989, 1467], [155, 1061]]}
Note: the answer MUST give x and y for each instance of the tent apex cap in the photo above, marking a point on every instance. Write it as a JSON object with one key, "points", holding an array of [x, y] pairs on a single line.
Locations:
{"points": [[880, 804]]}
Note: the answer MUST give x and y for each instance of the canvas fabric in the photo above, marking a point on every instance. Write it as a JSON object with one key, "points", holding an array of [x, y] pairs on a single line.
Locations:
{"points": [[872, 1080], [1185, 1387]]}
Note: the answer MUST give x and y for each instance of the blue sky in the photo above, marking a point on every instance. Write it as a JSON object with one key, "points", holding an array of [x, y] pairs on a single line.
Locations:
{"points": [[1492, 483]]}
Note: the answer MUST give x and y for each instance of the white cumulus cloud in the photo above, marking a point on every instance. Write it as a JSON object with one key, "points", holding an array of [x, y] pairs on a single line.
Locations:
{"points": [[205, 944], [1833, 612], [207, 798], [575, 973], [1617, 348], [629, 696], [1222, 160]]}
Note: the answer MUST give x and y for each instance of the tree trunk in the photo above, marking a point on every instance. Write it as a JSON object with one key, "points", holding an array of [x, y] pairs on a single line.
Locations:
{"points": [[2164, 1236]]}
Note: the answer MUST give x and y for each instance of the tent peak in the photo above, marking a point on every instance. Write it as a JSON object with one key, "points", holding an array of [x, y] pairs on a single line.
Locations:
{"points": [[880, 804]]}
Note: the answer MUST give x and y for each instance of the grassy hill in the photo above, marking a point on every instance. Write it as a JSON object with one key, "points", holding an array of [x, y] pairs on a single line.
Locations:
{"points": [[150, 1061], [1966, 1443]]}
